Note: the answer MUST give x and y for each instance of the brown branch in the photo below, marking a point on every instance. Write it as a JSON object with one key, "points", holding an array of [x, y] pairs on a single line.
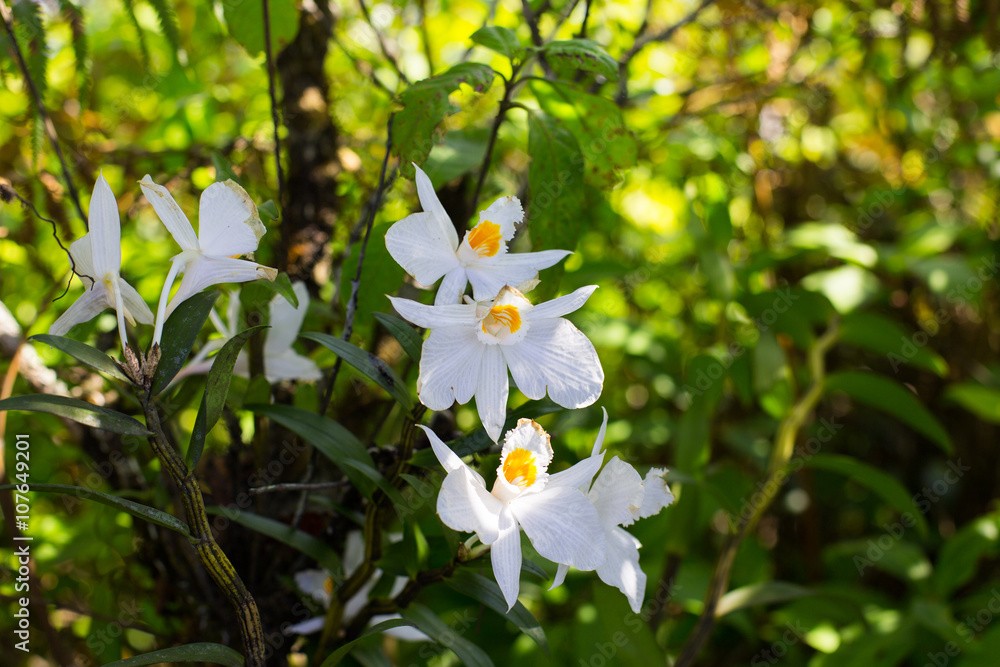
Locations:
{"points": [[274, 102], [50, 129], [381, 44]]}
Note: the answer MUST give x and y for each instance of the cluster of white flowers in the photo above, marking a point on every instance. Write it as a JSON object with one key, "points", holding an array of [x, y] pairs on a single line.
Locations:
{"points": [[230, 228], [569, 517]]}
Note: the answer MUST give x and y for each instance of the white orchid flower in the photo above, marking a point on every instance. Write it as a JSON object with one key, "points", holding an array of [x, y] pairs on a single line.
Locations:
{"points": [[281, 361], [426, 245], [555, 514], [471, 346], [319, 586], [621, 496], [229, 227], [97, 256]]}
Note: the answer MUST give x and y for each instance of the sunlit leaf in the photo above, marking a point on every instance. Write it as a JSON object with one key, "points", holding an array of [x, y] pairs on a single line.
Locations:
{"points": [[85, 353]]}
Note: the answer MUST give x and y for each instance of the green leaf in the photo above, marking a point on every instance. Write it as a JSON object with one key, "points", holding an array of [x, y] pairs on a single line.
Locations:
{"points": [[882, 335], [427, 621], [556, 188], [77, 410], [151, 514], [246, 24], [332, 440], [367, 364], [984, 402], [268, 209], [338, 655], [316, 549], [216, 390], [459, 153], [425, 104], [502, 40], [958, 559], [891, 397], [404, 333], [754, 595], [168, 22], [570, 55], [217, 654], [598, 125], [883, 485], [488, 592], [380, 275], [85, 353], [179, 334]]}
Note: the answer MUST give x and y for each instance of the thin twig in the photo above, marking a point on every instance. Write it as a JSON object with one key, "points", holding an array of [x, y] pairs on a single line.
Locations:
{"points": [[294, 486], [536, 35], [564, 15], [274, 101], [9, 192], [381, 43], [366, 70], [784, 446], [50, 129], [505, 105], [425, 36], [644, 38]]}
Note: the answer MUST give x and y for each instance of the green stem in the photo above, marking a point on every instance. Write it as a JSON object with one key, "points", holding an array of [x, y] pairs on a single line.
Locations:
{"points": [[211, 555]]}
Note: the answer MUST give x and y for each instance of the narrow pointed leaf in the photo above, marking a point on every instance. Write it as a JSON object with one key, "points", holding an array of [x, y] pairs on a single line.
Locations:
{"points": [[216, 654], [216, 390], [84, 353], [368, 365], [144, 512], [77, 410], [754, 595], [889, 396], [338, 655], [428, 622], [488, 592], [502, 40], [404, 333], [179, 333], [882, 335], [318, 550]]}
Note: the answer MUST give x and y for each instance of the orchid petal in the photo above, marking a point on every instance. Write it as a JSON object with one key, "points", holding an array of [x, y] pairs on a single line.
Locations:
{"points": [[657, 494], [562, 526], [465, 505], [170, 214], [489, 276], [290, 365], [286, 320], [564, 304], [82, 253], [579, 475], [431, 204], [506, 212], [136, 309], [617, 493], [560, 577], [449, 367], [621, 567], [557, 357], [491, 390], [418, 244], [228, 222], [204, 271], [599, 440], [105, 230], [313, 584], [90, 304], [452, 287], [458, 314], [308, 627], [448, 459], [506, 556]]}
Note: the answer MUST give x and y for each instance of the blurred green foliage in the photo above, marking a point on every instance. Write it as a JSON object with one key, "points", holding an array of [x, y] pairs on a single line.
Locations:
{"points": [[739, 178]]}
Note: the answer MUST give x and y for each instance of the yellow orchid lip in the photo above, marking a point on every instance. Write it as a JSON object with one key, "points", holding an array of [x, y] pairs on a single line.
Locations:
{"points": [[485, 239], [520, 468], [501, 318]]}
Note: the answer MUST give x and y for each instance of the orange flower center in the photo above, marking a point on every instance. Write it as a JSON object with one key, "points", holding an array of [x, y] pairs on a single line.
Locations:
{"points": [[519, 468], [328, 585], [500, 318], [485, 239]]}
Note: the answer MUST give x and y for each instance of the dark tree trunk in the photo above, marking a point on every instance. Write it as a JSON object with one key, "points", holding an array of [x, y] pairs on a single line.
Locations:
{"points": [[311, 203]]}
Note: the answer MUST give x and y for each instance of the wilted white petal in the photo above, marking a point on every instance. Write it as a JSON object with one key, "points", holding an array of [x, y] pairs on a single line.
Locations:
{"points": [[465, 505], [452, 287], [228, 222], [286, 320], [170, 214], [418, 244], [450, 367], [564, 304], [657, 494], [562, 526], [204, 271], [506, 212], [506, 556], [105, 230], [557, 357], [87, 307], [434, 316], [491, 390], [617, 493], [431, 204], [621, 567]]}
